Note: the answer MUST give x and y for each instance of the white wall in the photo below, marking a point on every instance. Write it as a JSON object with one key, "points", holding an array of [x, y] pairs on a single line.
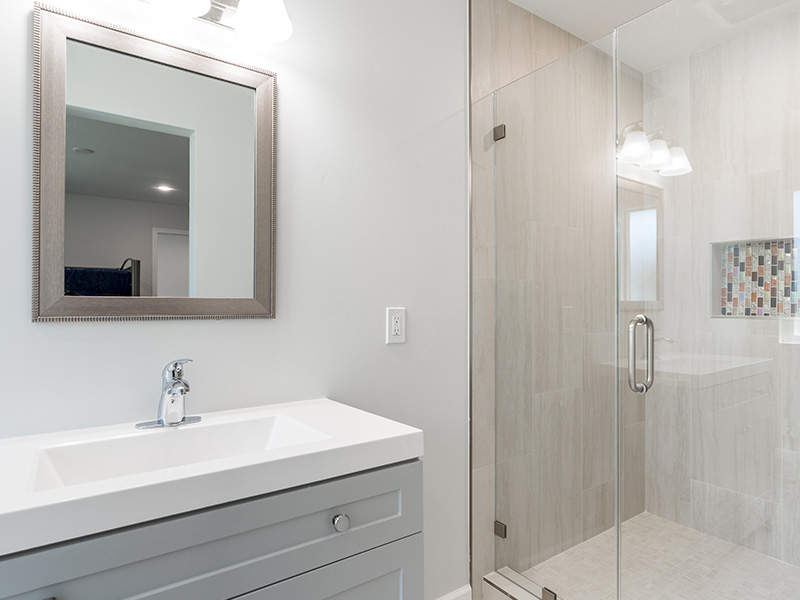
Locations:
{"points": [[103, 232], [372, 212]]}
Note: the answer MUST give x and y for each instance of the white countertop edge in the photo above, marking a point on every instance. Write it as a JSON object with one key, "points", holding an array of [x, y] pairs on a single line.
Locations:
{"points": [[84, 510]]}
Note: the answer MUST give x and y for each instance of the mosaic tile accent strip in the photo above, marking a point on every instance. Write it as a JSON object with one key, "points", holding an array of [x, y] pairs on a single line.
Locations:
{"points": [[758, 279]]}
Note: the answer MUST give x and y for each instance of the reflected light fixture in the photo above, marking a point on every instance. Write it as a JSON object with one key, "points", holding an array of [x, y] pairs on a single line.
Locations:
{"points": [[636, 147], [680, 163], [165, 188], [661, 157]]}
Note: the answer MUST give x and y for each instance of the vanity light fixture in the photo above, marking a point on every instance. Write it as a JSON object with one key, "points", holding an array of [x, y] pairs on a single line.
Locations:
{"points": [[191, 8], [266, 20], [651, 152]]}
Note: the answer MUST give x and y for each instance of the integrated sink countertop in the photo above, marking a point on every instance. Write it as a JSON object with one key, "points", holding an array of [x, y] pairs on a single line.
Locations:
{"points": [[65, 485]]}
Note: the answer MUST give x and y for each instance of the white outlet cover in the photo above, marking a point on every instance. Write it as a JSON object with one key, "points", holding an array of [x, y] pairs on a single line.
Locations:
{"points": [[395, 325]]}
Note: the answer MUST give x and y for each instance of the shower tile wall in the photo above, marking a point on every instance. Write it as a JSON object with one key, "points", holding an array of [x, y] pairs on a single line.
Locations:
{"points": [[555, 380], [722, 454], [507, 43]]}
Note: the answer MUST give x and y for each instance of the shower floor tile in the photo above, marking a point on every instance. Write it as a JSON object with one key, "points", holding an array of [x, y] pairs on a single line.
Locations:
{"points": [[662, 560]]}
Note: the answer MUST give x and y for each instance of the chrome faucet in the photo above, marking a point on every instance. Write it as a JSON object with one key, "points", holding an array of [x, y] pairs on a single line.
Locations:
{"points": [[172, 405]]}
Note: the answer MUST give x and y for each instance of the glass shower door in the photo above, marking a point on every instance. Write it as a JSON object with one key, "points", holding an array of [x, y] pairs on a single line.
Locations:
{"points": [[688, 242], [710, 501], [556, 320]]}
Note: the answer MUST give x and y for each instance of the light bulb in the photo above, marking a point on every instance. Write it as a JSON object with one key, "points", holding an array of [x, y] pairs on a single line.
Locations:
{"points": [[680, 163], [266, 20], [661, 158], [636, 149]]}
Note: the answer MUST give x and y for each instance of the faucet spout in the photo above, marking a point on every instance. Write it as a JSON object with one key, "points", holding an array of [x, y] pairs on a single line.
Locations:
{"points": [[172, 404]]}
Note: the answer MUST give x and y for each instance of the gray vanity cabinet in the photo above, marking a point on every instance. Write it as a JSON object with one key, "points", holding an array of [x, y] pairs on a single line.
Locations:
{"points": [[282, 546]]}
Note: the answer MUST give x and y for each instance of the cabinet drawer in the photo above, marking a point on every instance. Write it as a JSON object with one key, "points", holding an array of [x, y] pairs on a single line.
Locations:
{"points": [[221, 552], [391, 572]]}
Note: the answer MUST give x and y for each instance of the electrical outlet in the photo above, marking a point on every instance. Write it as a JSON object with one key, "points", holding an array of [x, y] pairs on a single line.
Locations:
{"points": [[395, 325]]}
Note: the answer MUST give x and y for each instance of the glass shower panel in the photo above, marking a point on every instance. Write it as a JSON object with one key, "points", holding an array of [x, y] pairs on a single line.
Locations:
{"points": [[710, 455], [556, 379]]}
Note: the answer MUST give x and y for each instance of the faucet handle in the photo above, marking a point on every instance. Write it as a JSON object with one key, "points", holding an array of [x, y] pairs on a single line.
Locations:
{"points": [[174, 369]]}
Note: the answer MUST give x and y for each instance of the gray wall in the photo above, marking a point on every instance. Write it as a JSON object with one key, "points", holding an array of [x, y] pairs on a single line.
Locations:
{"points": [[372, 212]]}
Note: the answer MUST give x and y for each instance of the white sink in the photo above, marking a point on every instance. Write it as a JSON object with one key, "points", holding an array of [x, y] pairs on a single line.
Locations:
{"points": [[142, 451], [65, 485]]}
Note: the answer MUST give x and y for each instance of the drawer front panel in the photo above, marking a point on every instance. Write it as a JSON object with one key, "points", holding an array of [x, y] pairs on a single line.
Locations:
{"points": [[232, 549], [391, 572]]}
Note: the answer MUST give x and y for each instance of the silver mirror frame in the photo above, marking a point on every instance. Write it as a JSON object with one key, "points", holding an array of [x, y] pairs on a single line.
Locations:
{"points": [[51, 28]]}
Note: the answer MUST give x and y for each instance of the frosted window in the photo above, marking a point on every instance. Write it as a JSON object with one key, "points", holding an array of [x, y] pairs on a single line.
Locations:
{"points": [[643, 254]]}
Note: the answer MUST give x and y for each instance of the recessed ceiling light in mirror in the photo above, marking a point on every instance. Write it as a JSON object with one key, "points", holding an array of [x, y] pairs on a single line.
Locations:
{"points": [[165, 188]]}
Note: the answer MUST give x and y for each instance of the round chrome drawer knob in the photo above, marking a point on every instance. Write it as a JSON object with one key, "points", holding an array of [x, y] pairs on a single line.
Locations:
{"points": [[341, 523]]}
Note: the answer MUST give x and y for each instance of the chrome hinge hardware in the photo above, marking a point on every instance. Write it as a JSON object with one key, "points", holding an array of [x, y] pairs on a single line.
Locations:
{"points": [[500, 530]]}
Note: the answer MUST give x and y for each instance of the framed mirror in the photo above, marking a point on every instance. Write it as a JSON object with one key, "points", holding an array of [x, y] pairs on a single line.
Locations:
{"points": [[154, 178]]}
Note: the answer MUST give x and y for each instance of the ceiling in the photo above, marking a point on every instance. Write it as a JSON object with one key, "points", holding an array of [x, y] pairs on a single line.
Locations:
{"points": [[659, 36], [127, 161], [589, 20]]}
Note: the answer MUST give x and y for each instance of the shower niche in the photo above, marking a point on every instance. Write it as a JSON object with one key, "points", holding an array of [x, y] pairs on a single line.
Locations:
{"points": [[754, 278]]}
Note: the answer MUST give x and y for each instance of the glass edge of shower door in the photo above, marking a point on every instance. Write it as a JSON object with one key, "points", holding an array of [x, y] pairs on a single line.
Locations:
{"points": [[555, 305]]}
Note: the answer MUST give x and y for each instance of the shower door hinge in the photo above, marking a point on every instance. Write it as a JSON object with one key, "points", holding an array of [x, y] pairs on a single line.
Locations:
{"points": [[500, 530], [499, 132], [548, 594]]}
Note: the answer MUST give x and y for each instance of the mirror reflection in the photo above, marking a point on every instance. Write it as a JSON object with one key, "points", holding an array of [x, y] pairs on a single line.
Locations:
{"points": [[159, 182]]}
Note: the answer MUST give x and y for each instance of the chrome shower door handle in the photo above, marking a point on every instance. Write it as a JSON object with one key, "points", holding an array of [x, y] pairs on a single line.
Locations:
{"points": [[637, 387]]}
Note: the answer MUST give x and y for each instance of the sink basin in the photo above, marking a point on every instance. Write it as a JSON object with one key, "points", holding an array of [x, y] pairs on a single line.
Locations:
{"points": [[156, 449], [66, 485]]}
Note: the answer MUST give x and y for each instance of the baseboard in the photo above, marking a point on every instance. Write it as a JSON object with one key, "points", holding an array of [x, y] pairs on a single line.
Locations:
{"points": [[462, 593]]}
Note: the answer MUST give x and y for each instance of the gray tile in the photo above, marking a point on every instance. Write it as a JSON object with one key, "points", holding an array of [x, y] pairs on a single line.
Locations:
{"points": [[598, 509], [514, 368], [737, 518], [483, 380], [557, 455], [633, 470], [662, 560], [734, 440], [599, 409], [515, 489], [667, 451], [482, 505], [482, 201], [791, 507]]}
